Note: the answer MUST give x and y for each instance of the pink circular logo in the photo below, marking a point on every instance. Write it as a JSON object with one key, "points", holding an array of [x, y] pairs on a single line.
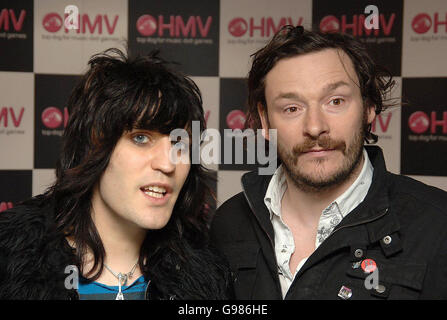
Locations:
{"points": [[418, 122], [236, 119], [52, 22], [237, 27], [329, 24], [421, 23], [52, 117], [146, 25], [369, 265], [5, 206]]}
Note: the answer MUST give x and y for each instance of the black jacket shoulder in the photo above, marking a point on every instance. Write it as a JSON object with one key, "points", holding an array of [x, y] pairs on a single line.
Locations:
{"points": [[31, 250], [427, 195]]}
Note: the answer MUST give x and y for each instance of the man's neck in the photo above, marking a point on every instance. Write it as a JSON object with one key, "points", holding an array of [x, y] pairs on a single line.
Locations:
{"points": [[309, 205], [122, 239]]}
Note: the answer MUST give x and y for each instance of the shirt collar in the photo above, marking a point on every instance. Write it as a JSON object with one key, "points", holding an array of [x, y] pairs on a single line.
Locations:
{"points": [[357, 192], [345, 203], [275, 192]]}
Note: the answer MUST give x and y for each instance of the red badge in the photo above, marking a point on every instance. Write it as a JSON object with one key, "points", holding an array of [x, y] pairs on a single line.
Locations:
{"points": [[369, 265]]}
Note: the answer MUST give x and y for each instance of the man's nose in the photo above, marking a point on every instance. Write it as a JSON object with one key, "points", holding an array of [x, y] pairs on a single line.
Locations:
{"points": [[315, 122], [161, 159]]}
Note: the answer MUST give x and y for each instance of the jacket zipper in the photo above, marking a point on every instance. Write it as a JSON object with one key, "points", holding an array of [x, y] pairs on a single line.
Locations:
{"points": [[360, 222]]}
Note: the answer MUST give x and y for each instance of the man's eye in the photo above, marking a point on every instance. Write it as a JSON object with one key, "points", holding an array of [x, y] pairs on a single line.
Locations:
{"points": [[336, 102], [140, 139], [291, 109]]}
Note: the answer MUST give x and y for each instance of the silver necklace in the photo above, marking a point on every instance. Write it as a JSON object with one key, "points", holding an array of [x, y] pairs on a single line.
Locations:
{"points": [[122, 279]]}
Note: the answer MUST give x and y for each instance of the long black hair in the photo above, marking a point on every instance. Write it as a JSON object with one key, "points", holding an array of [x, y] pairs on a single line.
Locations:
{"points": [[118, 94]]}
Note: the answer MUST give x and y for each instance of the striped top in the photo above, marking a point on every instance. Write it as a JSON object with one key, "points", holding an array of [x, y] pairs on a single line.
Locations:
{"points": [[98, 291]]}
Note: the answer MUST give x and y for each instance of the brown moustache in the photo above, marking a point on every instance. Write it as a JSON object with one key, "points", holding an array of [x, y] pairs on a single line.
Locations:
{"points": [[323, 142]]}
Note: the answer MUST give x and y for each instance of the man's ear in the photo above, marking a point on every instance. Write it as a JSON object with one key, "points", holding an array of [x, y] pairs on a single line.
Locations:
{"points": [[262, 112], [371, 113]]}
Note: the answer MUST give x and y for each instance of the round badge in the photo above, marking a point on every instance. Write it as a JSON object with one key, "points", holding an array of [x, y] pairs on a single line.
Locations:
{"points": [[368, 265]]}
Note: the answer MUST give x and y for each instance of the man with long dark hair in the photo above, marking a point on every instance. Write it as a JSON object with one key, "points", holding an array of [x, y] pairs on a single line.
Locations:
{"points": [[123, 220], [332, 222]]}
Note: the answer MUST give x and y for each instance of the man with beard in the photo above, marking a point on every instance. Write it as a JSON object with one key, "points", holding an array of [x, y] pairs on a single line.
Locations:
{"points": [[332, 222]]}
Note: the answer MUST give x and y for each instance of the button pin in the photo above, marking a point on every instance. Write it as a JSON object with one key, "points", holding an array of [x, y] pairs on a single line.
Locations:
{"points": [[358, 253], [345, 293], [369, 265], [387, 240]]}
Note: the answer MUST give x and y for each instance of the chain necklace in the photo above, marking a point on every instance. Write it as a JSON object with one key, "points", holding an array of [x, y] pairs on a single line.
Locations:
{"points": [[122, 279]]}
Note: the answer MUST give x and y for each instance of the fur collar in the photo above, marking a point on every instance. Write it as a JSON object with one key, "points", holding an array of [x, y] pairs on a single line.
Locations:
{"points": [[34, 257]]}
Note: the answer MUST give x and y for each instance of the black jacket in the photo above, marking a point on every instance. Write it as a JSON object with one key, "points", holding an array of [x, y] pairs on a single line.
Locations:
{"points": [[34, 256], [412, 266]]}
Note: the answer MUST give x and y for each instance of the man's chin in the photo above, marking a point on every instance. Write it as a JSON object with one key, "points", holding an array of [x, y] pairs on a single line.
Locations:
{"points": [[322, 176], [318, 169], [315, 183]]}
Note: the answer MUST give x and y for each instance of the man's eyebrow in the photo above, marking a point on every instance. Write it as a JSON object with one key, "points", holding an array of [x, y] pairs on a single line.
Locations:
{"points": [[327, 88], [288, 95], [335, 85]]}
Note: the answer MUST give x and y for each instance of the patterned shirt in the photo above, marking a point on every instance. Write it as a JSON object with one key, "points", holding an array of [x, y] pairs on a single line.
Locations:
{"points": [[329, 219], [98, 291]]}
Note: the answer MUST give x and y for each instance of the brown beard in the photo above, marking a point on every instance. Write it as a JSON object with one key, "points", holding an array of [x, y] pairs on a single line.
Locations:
{"points": [[311, 182]]}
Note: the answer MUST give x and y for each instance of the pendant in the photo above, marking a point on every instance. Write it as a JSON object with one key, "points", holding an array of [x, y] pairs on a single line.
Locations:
{"points": [[122, 279]]}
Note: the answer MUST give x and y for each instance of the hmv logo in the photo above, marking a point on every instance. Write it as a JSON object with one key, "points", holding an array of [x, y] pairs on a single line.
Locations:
{"points": [[207, 116], [383, 123], [53, 22], [10, 117], [10, 21], [53, 117], [264, 27], [423, 22], [421, 122], [356, 25], [174, 26], [6, 205], [236, 119]]}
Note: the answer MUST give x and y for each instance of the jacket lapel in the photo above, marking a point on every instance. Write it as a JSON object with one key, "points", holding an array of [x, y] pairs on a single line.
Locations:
{"points": [[254, 187]]}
